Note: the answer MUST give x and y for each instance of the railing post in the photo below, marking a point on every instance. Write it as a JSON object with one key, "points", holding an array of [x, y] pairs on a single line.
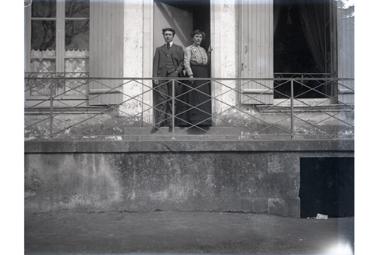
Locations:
{"points": [[51, 113], [142, 102], [292, 111], [173, 107], [88, 90]]}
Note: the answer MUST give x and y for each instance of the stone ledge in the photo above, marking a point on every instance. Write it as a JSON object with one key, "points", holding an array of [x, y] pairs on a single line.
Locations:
{"points": [[188, 146]]}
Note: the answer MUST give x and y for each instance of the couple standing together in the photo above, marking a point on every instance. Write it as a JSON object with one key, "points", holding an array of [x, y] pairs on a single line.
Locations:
{"points": [[193, 101]]}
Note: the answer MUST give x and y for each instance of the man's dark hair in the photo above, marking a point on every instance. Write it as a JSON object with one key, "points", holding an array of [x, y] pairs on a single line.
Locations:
{"points": [[198, 32], [169, 29]]}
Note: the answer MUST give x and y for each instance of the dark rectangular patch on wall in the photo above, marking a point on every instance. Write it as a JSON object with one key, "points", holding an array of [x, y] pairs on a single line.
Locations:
{"points": [[327, 186]]}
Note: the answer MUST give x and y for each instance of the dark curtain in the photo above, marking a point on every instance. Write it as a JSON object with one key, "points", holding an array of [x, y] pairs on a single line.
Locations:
{"points": [[302, 43], [276, 14], [315, 24]]}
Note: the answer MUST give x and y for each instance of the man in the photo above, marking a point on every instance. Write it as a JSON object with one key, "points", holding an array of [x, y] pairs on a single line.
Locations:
{"points": [[168, 62]]}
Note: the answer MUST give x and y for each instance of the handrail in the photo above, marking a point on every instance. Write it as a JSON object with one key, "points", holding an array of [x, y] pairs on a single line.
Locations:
{"points": [[187, 78]]}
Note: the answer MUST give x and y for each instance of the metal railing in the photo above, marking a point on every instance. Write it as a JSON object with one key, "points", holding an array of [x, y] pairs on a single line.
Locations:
{"points": [[310, 80], [59, 106]]}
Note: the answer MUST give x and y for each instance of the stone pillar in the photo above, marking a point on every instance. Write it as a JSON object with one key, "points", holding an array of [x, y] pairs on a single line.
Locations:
{"points": [[224, 55], [148, 38], [138, 59], [133, 57]]}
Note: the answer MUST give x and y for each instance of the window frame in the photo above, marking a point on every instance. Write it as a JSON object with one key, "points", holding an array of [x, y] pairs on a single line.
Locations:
{"points": [[324, 101], [333, 64], [59, 36], [60, 56], [60, 20]]}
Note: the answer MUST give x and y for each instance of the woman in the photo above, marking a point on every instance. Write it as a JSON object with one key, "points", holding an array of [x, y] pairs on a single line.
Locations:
{"points": [[196, 61]]}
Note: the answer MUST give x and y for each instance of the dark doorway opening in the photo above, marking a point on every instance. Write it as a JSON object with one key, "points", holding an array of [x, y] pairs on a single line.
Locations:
{"points": [[327, 186], [303, 46], [193, 107], [185, 16]]}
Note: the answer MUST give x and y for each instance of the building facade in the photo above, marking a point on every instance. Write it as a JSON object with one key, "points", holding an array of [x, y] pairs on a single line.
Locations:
{"points": [[282, 89], [251, 39]]}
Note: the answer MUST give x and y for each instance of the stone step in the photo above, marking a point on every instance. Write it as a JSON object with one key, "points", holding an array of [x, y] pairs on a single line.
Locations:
{"points": [[183, 131]]}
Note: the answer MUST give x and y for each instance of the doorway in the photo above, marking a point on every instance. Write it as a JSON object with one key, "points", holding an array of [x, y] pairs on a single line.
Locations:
{"points": [[193, 100], [327, 186], [184, 17]]}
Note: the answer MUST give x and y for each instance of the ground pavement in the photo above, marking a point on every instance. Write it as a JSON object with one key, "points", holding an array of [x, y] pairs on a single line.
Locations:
{"points": [[118, 232]]}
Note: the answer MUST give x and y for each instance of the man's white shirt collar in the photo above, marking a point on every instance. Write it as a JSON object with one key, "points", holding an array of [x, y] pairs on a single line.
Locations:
{"points": [[170, 44]]}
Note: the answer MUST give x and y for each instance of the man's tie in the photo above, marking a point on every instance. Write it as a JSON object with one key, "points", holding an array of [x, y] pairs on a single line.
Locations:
{"points": [[168, 45]]}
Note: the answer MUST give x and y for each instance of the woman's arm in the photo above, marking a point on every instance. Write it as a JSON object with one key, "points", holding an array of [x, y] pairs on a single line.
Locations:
{"points": [[186, 62]]}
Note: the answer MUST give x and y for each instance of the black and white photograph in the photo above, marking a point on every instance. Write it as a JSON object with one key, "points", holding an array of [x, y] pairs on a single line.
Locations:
{"points": [[188, 127]]}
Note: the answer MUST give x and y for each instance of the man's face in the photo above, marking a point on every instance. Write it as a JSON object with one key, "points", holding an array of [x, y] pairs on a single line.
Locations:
{"points": [[168, 36]]}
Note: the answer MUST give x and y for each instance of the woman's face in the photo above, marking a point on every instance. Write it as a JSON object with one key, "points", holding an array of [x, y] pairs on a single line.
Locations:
{"points": [[197, 38]]}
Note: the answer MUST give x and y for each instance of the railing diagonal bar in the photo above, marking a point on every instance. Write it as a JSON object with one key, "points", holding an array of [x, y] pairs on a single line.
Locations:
{"points": [[312, 89], [325, 112]]}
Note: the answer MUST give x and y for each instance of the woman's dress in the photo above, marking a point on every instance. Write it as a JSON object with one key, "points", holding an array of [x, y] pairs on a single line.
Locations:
{"points": [[199, 92]]}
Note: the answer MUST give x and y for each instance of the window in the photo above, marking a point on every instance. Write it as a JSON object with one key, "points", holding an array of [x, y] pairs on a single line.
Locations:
{"points": [[43, 36], [76, 36], [59, 43], [304, 47], [76, 44]]}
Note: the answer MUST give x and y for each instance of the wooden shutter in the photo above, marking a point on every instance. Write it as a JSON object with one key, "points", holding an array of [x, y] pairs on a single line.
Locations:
{"points": [[346, 59], [106, 51], [256, 48]]}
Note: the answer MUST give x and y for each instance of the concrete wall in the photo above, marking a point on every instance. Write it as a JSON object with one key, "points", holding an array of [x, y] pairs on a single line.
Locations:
{"points": [[258, 177]]}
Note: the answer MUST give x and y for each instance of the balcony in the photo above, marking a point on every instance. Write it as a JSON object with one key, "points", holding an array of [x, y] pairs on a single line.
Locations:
{"points": [[62, 106]]}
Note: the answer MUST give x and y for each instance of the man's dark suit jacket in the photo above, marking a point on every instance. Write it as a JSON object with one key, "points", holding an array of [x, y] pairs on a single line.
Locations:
{"points": [[159, 67]]}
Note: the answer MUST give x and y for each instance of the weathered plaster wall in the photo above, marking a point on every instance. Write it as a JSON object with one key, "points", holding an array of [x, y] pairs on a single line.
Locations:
{"points": [[207, 176], [69, 181]]}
